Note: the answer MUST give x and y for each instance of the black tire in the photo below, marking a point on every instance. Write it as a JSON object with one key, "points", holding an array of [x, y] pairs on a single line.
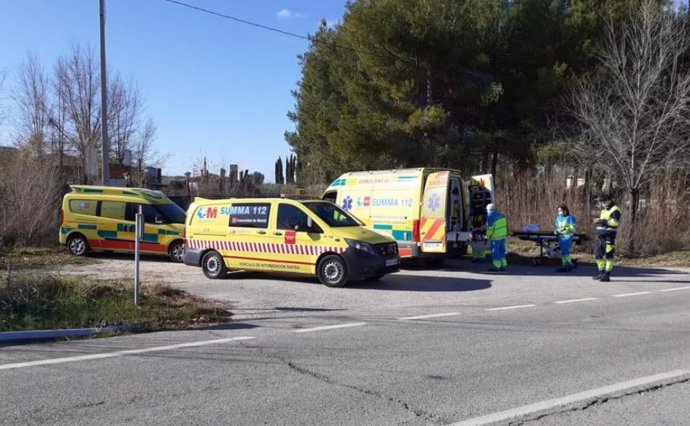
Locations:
{"points": [[176, 251], [434, 262], [213, 265], [332, 271], [78, 245]]}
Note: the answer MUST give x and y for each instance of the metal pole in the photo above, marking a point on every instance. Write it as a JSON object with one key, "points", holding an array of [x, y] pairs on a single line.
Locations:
{"points": [[105, 174], [139, 235]]}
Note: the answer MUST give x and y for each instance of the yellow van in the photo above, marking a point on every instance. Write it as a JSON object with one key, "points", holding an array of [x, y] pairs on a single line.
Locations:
{"points": [[285, 235], [101, 218], [430, 212]]}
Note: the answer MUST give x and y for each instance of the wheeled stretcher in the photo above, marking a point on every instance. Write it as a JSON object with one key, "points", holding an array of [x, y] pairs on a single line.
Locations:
{"points": [[548, 244]]}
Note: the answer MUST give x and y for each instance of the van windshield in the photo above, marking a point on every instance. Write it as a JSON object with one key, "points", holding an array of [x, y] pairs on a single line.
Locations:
{"points": [[333, 215], [171, 212]]}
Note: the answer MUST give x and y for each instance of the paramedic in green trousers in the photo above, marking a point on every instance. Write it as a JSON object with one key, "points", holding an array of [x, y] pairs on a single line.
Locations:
{"points": [[565, 229], [604, 244], [496, 232]]}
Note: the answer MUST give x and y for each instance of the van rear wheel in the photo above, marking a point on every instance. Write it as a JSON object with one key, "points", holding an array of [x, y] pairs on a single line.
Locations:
{"points": [[213, 265], [78, 245], [332, 271]]}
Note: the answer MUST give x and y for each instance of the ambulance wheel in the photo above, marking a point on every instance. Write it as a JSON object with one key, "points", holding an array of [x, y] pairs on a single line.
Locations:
{"points": [[332, 271], [176, 251], [78, 245], [213, 265]]}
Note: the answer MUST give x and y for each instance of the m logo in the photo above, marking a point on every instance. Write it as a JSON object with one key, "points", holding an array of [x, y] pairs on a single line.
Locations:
{"points": [[207, 213]]}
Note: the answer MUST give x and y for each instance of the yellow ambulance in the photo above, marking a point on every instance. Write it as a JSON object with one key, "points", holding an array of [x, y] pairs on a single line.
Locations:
{"points": [[430, 212], [101, 218], [285, 235]]}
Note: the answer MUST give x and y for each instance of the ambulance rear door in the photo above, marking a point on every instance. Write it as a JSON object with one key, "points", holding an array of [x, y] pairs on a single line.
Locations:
{"points": [[432, 223], [481, 191]]}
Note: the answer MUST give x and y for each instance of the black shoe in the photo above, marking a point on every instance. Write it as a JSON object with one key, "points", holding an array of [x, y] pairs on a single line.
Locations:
{"points": [[606, 277], [598, 276]]}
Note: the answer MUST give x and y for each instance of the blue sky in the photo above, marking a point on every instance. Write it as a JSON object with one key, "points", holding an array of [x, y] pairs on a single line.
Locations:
{"points": [[214, 87]]}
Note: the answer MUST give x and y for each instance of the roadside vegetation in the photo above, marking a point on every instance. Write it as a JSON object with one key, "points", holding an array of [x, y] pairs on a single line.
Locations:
{"points": [[39, 301]]}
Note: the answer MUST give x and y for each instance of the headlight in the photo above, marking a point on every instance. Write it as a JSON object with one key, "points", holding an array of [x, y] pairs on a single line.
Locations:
{"points": [[358, 245]]}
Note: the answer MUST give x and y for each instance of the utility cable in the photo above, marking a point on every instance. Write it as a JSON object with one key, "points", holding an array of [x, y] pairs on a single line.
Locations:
{"points": [[288, 33]]}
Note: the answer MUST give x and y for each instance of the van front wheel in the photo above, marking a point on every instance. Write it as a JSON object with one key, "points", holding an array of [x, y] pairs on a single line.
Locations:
{"points": [[332, 271], [176, 251], [213, 265], [78, 245]]}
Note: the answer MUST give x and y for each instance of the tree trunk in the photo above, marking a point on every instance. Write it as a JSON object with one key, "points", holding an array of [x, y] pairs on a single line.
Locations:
{"points": [[634, 203], [494, 164]]}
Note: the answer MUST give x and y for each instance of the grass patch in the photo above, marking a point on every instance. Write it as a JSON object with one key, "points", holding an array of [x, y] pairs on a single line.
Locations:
{"points": [[36, 257], [679, 259], [39, 301]]}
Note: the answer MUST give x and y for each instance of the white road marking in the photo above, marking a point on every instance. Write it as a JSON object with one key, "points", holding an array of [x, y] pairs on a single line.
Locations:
{"points": [[330, 327], [121, 353], [505, 308], [550, 404], [586, 299], [449, 314], [676, 288], [639, 293]]}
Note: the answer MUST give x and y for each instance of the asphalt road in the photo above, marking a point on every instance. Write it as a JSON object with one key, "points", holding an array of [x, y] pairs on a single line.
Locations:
{"points": [[419, 347]]}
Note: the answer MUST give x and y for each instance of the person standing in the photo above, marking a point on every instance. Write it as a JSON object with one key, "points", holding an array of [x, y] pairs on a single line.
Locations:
{"points": [[604, 245], [565, 229], [496, 232]]}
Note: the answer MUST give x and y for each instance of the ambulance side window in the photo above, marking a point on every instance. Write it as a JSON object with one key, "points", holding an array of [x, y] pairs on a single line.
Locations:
{"points": [[86, 207], [290, 218], [150, 213], [113, 210]]}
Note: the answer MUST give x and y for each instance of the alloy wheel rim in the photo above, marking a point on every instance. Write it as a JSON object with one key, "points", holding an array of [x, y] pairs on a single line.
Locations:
{"points": [[332, 271]]}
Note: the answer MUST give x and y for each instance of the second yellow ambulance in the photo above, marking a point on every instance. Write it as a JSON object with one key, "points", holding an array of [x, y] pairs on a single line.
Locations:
{"points": [[284, 235], [430, 212]]}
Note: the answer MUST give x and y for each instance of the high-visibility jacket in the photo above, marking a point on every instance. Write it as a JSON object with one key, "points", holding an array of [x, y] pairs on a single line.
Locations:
{"points": [[612, 217], [565, 226], [497, 226]]}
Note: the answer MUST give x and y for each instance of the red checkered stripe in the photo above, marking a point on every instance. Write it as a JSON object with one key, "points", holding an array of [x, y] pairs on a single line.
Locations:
{"points": [[262, 247]]}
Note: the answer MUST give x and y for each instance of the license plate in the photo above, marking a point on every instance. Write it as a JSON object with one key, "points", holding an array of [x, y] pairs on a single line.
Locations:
{"points": [[391, 262]]}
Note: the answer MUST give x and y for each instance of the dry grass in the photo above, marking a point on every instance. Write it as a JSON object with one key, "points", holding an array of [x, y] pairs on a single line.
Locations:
{"points": [[663, 224], [34, 300], [36, 257]]}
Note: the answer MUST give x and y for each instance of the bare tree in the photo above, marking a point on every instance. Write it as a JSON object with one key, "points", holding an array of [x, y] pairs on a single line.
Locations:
{"points": [[634, 112], [77, 86], [31, 98]]}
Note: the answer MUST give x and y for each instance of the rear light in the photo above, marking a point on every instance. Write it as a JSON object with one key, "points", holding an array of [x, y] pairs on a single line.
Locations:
{"points": [[415, 231]]}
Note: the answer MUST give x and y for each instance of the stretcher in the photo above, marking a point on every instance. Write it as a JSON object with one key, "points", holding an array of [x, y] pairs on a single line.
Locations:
{"points": [[548, 244]]}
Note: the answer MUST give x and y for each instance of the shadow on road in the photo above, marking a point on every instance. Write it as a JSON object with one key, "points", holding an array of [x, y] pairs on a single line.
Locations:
{"points": [[399, 282]]}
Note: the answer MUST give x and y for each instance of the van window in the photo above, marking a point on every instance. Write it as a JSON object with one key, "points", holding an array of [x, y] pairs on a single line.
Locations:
{"points": [[113, 210], [291, 218], [333, 215], [87, 207], [149, 211], [249, 215]]}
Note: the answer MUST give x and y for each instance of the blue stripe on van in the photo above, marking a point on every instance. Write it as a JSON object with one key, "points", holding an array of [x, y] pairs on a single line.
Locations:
{"points": [[382, 226], [81, 226], [402, 235]]}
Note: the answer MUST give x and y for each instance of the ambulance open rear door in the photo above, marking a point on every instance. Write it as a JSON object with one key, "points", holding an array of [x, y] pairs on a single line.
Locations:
{"points": [[481, 189], [432, 223]]}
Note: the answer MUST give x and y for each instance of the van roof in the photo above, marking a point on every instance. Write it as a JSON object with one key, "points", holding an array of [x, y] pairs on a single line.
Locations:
{"points": [[201, 200], [399, 171], [147, 194]]}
